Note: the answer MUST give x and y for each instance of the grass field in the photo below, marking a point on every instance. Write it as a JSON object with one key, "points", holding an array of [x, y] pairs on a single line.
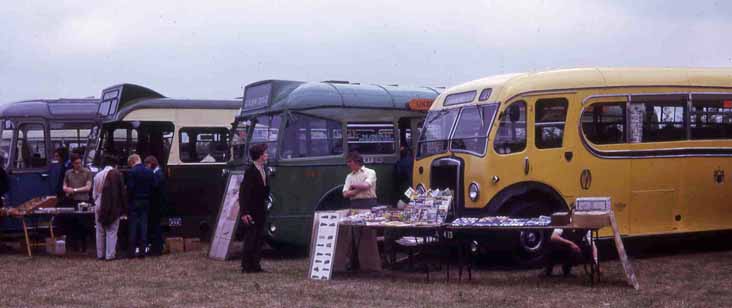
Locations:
{"points": [[689, 278]]}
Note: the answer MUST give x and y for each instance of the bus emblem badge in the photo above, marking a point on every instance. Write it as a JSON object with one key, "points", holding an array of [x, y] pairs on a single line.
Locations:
{"points": [[719, 176], [586, 179]]}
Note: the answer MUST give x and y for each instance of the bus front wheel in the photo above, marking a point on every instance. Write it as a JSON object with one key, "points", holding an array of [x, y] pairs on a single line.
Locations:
{"points": [[529, 245]]}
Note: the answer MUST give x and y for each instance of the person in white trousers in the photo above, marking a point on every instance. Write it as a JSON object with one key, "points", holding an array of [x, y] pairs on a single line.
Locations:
{"points": [[106, 236]]}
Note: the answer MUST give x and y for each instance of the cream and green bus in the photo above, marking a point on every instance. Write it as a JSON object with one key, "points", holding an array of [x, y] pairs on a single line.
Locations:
{"points": [[657, 141]]}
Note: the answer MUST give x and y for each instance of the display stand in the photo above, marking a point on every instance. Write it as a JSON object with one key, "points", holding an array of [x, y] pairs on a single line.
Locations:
{"points": [[323, 244], [228, 219], [627, 267]]}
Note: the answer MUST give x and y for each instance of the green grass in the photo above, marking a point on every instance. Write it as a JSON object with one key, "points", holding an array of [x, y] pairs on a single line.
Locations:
{"points": [[192, 280]]}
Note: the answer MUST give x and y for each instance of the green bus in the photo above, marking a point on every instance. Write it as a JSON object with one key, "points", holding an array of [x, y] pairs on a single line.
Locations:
{"points": [[309, 127]]}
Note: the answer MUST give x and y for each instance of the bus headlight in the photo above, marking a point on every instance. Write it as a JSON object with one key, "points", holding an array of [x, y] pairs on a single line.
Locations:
{"points": [[420, 188], [473, 191], [270, 200], [272, 228]]}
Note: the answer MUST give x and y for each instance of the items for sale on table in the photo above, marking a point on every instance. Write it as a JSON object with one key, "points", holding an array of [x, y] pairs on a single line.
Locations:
{"points": [[55, 210], [428, 208], [502, 221], [30, 206]]}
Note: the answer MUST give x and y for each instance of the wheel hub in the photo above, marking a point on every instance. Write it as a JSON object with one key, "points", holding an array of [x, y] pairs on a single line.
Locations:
{"points": [[531, 241]]}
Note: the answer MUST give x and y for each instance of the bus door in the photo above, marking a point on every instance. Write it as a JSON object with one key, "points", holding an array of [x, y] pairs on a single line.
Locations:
{"points": [[509, 144], [193, 183], [28, 173], [408, 137], [551, 153]]}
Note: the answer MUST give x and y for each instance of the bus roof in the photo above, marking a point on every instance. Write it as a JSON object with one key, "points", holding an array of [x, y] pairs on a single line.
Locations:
{"points": [[130, 97], [57, 109], [505, 87], [270, 96]]}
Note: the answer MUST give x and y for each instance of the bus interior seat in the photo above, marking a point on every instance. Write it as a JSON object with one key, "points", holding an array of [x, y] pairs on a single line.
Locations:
{"points": [[37, 160], [614, 134]]}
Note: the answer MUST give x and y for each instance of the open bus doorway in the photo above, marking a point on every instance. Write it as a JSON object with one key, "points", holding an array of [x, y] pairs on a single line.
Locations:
{"points": [[122, 139]]}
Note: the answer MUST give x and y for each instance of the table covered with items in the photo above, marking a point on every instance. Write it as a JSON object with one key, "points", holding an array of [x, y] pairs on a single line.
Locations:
{"points": [[346, 239], [38, 215]]}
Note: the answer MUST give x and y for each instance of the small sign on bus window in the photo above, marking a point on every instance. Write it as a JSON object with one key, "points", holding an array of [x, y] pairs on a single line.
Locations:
{"points": [[727, 104]]}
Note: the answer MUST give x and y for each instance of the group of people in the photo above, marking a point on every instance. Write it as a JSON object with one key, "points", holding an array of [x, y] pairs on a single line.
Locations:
{"points": [[359, 188], [139, 196]]}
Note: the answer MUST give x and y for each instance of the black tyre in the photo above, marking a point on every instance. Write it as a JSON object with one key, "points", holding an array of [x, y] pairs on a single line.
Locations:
{"points": [[530, 245]]}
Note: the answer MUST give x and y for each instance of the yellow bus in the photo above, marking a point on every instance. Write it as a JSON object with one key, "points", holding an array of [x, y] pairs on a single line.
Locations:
{"points": [[657, 141]]}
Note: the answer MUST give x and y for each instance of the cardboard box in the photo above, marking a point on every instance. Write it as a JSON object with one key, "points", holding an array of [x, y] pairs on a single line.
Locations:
{"points": [[593, 220], [192, 244], [174, 244], [560, 219], [57, 247]]}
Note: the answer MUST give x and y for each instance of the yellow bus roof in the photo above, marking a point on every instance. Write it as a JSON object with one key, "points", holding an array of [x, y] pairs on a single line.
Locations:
{"points": [[509, 85]]}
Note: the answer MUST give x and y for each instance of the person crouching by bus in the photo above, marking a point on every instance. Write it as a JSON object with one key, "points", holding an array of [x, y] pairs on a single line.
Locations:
{"points": [[569, 247], [140, 186], [253, 194], [157, 204], [360, 185], [77, 185], [110, 200]]}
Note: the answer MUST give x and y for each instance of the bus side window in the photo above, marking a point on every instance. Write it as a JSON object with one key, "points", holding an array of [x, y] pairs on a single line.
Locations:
{"points": [[31, 147], [663, 117], [307, 136], [371, 138], [711, 117], [550, 118], [7, 138], [204, 144], [511, 134], [604, 123]]}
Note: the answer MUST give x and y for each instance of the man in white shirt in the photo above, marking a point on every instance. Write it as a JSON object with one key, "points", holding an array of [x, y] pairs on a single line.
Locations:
{"points": [[106, 237], [360, 185], [360, 188]]}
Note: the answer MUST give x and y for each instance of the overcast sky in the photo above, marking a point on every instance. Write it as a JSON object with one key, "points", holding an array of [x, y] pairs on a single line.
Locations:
{"points": [[210, 49]]}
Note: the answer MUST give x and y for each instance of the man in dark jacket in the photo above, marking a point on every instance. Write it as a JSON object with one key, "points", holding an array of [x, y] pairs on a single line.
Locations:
{"points": [[157, 203], [253, 194], [140, 186]]}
